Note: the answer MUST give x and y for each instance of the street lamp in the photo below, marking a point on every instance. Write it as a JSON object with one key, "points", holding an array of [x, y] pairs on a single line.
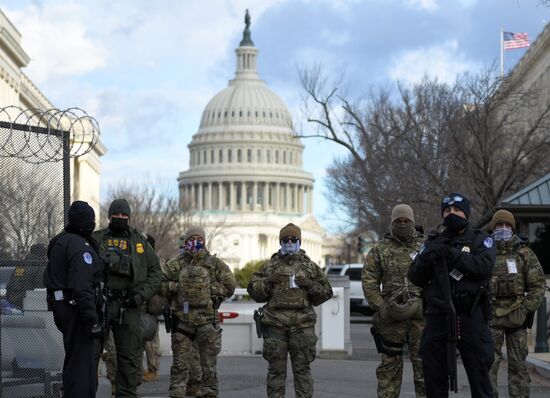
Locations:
{"points": [[348, 241]]}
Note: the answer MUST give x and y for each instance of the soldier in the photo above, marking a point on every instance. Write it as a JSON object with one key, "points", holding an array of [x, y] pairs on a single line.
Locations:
{"points": [[72, 278], [291, 284], [454, 267], [195, 283], [517, 289], [398, 302], [133, 275]]}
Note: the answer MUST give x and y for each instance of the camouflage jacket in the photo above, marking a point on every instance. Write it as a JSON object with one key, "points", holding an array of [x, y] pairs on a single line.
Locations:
{"points": [[220, 279], [288, 306], [517, 281], [386, 267]]}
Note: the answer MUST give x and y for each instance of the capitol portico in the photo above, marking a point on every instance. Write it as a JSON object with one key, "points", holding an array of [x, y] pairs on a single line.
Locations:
{"points": [[246, 177]]}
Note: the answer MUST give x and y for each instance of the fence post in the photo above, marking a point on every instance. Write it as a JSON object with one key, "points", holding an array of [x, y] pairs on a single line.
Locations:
{"points": [[541, 344]]}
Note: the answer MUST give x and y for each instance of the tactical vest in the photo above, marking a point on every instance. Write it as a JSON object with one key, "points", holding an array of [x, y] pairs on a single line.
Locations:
{"points": [[194, 285], [396, 260], [505, 283], [284, 296]]}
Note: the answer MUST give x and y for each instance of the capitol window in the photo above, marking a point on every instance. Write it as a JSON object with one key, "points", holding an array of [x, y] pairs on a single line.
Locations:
{"points": [[240, 113], [276, 156], [259, 155], [225, 114], [232, 113], [290, 156], [229, 156], [211, 156], [284, 157], [249, 155], [239, 157], [256, 113], [221, 155], [268, 154]]}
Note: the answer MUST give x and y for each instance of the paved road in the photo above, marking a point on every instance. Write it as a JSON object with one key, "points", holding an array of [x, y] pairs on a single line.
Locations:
{"points": [[356, 377]]}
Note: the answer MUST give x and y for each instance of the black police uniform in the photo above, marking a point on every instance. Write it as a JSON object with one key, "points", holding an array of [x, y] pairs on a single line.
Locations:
{"points": [[73, 272], [470, 260]]}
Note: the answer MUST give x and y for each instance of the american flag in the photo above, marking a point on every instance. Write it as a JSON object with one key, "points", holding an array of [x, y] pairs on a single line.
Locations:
{"points": [[515, 40]]}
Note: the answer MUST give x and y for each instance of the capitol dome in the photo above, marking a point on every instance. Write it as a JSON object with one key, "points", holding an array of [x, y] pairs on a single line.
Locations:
{"points": [[246, 165]]}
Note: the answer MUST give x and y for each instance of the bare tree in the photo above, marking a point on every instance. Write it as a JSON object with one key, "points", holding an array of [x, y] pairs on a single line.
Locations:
{"points": [[31, 205], [156, 210], [418, 143]]}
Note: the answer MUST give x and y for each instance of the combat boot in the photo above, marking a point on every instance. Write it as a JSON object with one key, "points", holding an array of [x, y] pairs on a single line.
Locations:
{"points": [[150, 376]]}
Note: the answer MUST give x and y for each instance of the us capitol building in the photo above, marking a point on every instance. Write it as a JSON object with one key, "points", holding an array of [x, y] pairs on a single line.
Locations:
{"points": [[246, 179]]}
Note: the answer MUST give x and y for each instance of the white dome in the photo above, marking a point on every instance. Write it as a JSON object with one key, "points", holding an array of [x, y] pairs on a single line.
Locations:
{"points": [[246, 102]]}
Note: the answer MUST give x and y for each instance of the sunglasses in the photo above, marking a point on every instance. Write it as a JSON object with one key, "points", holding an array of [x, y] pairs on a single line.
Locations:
{"points": [[449, 200], [292, 239]]}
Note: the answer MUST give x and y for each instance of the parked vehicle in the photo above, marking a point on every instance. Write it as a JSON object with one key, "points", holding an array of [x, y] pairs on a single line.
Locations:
{"points": [[358, 302]]}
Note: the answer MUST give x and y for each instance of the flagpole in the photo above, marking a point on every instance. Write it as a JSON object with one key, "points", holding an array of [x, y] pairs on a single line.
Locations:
{"points": [[501, 53]]}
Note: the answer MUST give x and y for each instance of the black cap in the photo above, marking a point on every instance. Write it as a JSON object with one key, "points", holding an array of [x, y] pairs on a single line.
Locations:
{"points": [[81, 215], [457, 200], [120, 206]]}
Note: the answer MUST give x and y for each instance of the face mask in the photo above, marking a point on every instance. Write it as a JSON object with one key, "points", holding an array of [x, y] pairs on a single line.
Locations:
{"points": [[502, 234], [403, 232], [118, 224], [290, 247], [89, 228], [455, 223], [181, 250], [194, 245]]}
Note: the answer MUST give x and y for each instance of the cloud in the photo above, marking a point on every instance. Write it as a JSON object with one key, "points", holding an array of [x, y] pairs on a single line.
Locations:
{"points": [[443, 61], [57, 42], [429, 5]]}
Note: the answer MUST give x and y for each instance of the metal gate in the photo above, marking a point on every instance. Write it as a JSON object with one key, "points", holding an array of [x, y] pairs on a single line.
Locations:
{"points": [[36, 148]]}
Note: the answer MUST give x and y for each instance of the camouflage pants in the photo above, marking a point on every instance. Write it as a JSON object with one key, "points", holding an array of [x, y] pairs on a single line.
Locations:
{"points": [[300, 344], [390, 371], [208, 340], [516, 348], [152, 352]]}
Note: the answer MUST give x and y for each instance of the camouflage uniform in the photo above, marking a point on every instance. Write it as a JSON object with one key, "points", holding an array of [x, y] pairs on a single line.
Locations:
{"points": [[387, 264], [195, 284], [289, 320], [517, 288]]}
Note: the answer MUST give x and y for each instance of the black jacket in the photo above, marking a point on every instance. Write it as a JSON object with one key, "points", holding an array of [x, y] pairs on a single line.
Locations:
{"points": [[470, 258], [74, 266]]}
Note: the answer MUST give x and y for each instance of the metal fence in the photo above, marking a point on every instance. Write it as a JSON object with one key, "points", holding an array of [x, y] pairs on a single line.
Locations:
{"points": [[36, 148]]}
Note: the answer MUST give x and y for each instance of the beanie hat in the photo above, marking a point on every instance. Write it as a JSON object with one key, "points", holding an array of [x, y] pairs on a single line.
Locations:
{"points": [[80, 215], [290, 230], [194, 230], [503, 216], [402, 211], [457, 200], [120, 206]]}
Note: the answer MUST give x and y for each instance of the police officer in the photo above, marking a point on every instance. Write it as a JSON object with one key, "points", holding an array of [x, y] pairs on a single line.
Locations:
{"points": [[71, 278], [196, 283], [133, 275], [517, 289], [467, 256], [398, 302], [291, 284]]}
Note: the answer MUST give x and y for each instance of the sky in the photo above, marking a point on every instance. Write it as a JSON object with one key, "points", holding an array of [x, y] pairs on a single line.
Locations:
{"points": [[146, 69]]}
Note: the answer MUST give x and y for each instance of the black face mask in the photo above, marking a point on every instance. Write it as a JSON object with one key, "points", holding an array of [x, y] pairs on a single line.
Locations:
{"points": [[455, 223], [118, 224], [89, 228]]}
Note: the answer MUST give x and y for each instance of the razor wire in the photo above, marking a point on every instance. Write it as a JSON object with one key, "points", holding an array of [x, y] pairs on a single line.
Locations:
{"points": [[39, 136]]}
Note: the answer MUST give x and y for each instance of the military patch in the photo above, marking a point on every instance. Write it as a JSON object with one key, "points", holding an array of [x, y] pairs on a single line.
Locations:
{"points": [[488, 242], [466, 249], [87, 258], [139, 248]]}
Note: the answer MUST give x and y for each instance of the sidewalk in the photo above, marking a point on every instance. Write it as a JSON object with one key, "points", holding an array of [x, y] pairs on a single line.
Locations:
{"points": [[540, 362]]}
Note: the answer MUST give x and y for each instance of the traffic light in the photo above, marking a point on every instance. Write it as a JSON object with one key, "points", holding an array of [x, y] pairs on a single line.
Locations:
{"points": [[360, 244]]}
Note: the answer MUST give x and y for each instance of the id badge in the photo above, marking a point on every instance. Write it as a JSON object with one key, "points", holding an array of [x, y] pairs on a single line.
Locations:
{"points": [[456, 274], [185, 307], [512, 267], [292, 282]]}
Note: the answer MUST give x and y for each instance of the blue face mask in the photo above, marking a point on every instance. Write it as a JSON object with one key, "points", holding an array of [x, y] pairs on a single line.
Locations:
{"points": [[502, 234], [194, 245], [290, 247]]}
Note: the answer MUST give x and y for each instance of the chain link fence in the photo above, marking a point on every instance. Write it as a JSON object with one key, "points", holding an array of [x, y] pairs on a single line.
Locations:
{"points": [[36, 148]]}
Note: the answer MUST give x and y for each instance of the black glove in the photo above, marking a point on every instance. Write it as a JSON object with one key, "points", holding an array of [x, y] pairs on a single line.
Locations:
{"points": [[132, 301], [436, 251], [96, 332]]}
